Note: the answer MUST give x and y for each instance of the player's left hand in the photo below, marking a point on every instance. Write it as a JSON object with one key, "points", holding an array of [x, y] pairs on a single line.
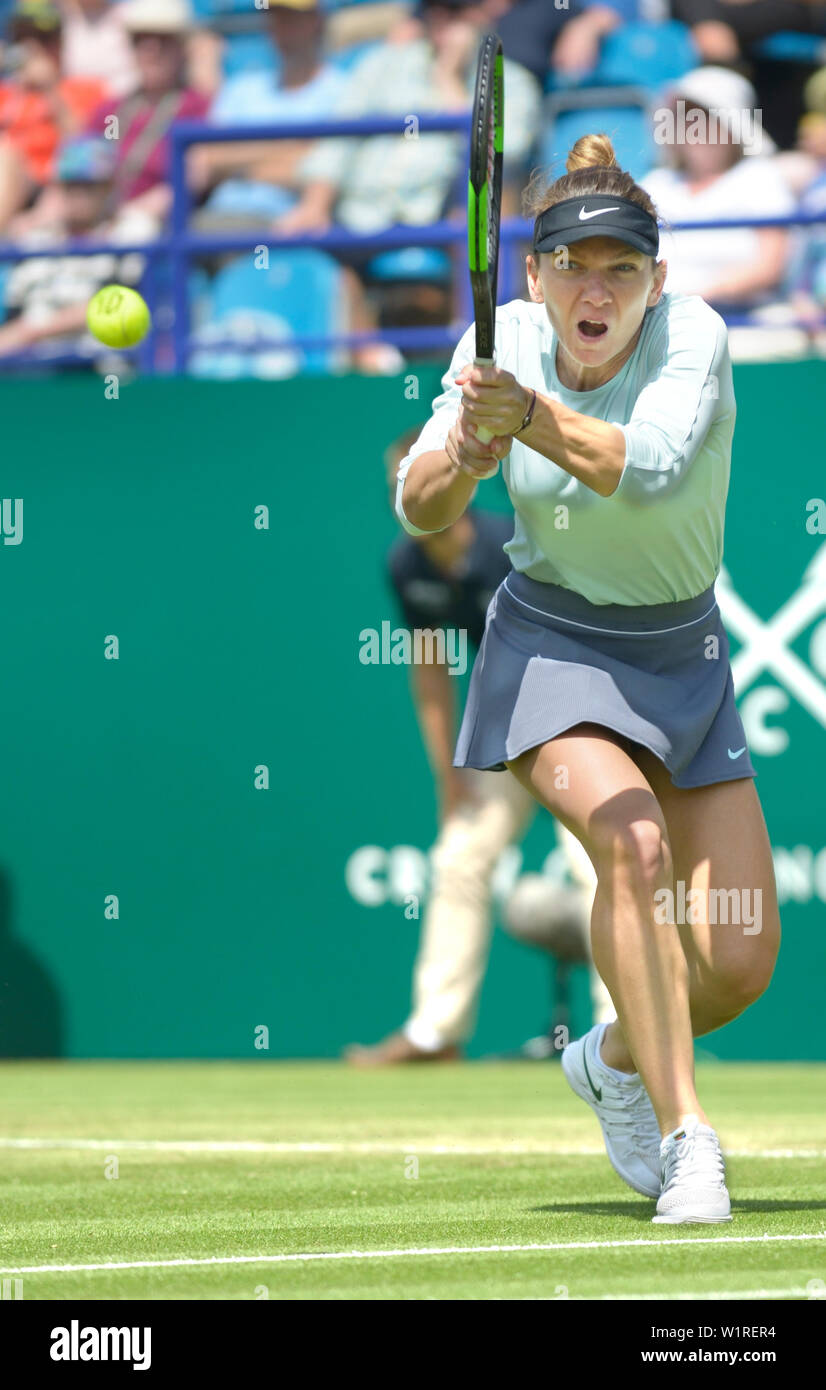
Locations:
{"points": [[493, 398]]}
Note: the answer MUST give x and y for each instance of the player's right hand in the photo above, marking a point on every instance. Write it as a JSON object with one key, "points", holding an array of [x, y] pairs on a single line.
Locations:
{"points": [[462, 446]]}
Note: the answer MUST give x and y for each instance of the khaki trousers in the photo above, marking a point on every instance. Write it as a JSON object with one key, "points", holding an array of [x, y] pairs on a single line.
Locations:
{"points": [[456, 929]]}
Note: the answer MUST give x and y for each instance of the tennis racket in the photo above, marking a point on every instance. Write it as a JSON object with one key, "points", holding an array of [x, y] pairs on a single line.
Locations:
{"points": [[484, 197]]}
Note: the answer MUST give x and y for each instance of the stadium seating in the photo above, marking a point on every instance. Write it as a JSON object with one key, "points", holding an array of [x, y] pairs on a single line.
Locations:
{"points": [[623, 113], [648, 55], [412, 263], [300, 293], [248, 53], [791, 47], [636, 62]]}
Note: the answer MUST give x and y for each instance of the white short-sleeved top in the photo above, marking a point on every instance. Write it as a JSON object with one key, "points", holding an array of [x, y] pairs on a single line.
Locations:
{"points": [[659, 537]]}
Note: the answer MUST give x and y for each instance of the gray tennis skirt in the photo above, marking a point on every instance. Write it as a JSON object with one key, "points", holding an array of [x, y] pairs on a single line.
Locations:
{"points": [[550, 659]]}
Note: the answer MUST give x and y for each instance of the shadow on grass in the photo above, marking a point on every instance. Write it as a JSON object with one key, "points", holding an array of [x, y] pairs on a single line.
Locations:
{"points": [[643, 1211], [637, 1211]]}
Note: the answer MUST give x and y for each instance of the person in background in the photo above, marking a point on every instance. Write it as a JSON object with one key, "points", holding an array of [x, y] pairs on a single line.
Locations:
{"points": [[731, 33], [446, 580], [534, 33], [726, 30], [576, 52], [257, 180], [96, 44], [39, 105], [718, 177], [158, 31], [46, 296], [370, 184], [807, 271]]}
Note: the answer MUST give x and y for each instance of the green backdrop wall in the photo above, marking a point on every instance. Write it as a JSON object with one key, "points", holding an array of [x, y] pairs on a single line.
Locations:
{"points": [[241, 907]]}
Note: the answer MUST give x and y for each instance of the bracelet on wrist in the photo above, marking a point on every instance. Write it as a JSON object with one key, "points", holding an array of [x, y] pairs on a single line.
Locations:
{"points": [[528, 416]]}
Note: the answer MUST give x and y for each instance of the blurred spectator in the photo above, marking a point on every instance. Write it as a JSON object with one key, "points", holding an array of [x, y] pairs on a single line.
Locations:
{"points": [[726, 30], [383, 180], [709, 177], [733, 32], [229, 38], [264, 178], [352, 25], [807, 272], [158, 30], [47, 295], [39, 105], [577, 49], [96, 44], [208, 42], [370, 184], [531, 32]]}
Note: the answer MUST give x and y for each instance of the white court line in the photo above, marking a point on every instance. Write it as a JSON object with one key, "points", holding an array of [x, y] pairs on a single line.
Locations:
{"points": [[355, 1147], [714, 1297], [727, 1297], [311, 1256], [297, 1147]]}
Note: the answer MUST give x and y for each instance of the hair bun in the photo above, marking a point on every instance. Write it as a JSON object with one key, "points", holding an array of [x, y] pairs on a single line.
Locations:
{"points": [[591, 151]]}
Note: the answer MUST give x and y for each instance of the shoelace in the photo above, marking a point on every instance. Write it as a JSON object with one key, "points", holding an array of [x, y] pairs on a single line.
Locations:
{"points": [[625, 1114], [695, 1151]]}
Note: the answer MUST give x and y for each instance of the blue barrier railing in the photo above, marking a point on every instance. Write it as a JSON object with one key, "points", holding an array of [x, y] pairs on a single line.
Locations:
{"points": [[183, 243], [180, 246]]}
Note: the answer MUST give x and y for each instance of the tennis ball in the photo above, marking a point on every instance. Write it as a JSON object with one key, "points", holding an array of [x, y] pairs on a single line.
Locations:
{"points": [[118, 316]]}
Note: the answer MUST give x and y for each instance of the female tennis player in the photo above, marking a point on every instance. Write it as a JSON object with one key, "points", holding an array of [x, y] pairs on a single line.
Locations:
{"points": [[603, 678]]}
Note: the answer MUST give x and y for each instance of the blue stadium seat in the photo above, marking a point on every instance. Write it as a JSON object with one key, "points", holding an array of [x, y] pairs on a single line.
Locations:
{"points": [[300, 293], [206, 10], [6, 268], [249, 53], [629, 128], [647, 55], [791, 47], [412, 263]]}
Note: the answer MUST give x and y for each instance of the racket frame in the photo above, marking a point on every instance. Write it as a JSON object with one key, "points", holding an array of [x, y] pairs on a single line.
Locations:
{"points": [[485, 197]]}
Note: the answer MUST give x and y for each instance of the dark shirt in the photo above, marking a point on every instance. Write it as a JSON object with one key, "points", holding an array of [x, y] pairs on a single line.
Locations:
{"points": [[529, 31], [755, 20], [431, 599]]}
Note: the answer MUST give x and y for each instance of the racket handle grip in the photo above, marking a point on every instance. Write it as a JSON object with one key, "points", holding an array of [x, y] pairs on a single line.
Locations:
{"points": [[484, 436]]}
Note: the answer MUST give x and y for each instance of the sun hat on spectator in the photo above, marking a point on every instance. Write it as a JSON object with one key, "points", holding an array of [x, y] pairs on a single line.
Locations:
{"points": [[725, 92], [716, 87], [31, 18], [88, 159], [156, 16]]}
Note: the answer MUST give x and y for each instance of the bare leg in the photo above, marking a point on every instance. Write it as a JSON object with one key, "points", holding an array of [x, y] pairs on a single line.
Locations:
{"points": [[721, 848], [587, 779]]}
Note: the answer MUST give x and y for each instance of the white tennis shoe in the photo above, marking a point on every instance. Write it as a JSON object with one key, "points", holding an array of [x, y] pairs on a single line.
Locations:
{"points": [[694, 1176], [629, 1125]]}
